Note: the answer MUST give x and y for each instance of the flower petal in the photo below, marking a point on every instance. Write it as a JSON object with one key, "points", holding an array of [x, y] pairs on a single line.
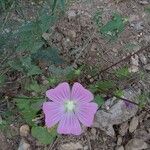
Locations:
{"points": [[69, 124], [86, 112], [53, 113], [79, 93], [60, 93]]}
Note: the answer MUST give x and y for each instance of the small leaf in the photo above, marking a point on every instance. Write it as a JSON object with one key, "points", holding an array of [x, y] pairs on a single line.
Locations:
{"points": [[122, 72], [34, 70], [114, 27], [43, 135], [105, 85], [99, 100], [119, 93], [2, 80]]}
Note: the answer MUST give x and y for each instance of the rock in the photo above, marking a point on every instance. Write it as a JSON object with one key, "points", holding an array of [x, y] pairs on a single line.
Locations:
{"points": [[72, 34], [134, 64], [24, 145], [119, 140], [119, 148], [4, 144], [144, 2], [93, 132], [71, 146], [123, 128], [24, 130], [147, 67], [139, 25], [46, 36], [142, 134], [71, 14], [136, 144], [86, 147], [117, 114], [133, 18], [133, 124], [143, 59]]}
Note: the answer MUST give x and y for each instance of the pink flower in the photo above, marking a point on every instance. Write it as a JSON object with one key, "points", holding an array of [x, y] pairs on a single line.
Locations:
{"points": [[69, 108]]}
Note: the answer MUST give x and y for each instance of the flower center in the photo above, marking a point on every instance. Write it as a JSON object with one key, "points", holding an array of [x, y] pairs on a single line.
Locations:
{"points": [[69, 106]]}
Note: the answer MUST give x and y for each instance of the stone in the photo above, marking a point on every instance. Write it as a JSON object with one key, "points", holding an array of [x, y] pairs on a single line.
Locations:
{"points": [[24, 130], [117, 114], [119, 140], [93, 134], [134, 64], [123, 128], [71, 146], [86, 147], [142, 134], [71, 14], [133, 124], [136, 144], [143, 59], [144, 2], [147, 67], [24, 145], [119, 148]]}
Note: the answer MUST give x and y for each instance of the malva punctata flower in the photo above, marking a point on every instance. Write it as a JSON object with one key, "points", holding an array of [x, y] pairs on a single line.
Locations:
{"points": [[69, 108]]}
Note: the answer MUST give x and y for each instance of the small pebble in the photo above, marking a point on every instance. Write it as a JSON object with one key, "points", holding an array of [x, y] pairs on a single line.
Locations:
{"points": [[24, 130]]}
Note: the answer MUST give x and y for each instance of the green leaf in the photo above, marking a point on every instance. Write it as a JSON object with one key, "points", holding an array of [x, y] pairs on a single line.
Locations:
{"points": [[99, 100], [33, 86], [122, 72], [16, 64], [27, 111], [98, 19], [43, 135], [105, 85], [119, 93], [2, 80], [114, 27], [48, 55], [34, 70], [147, 10]]}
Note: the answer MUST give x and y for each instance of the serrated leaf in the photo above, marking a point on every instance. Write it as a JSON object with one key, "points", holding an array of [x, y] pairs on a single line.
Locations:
{"points": [[99, 100], [43, 135]]}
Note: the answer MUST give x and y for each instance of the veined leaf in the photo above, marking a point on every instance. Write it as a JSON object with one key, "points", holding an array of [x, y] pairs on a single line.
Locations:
{"points": [[99, 100], [43, 135]]}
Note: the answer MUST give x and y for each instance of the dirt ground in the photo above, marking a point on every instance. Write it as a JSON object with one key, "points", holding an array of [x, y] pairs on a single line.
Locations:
{"points": [[80, 43]]}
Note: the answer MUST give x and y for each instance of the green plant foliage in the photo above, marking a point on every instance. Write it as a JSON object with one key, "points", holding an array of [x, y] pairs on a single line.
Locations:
{"points": [[5, 4], [25, 65], [119, 93], [99, 100], [44, 135], [105, 85], [114, 27], [102, 86], [27, 109], [56, 3], [98, 19], [2, 80], [48, 55], [143, 98], [122, 72], [147, 9]]}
